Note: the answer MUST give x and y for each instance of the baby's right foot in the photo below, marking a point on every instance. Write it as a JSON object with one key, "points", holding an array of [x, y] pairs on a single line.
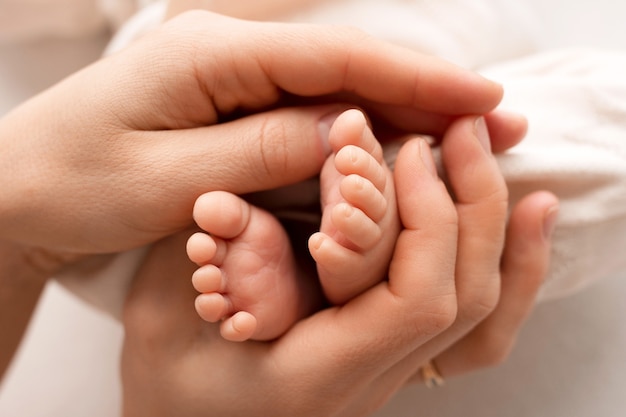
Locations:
{"points": [[360, 223]]}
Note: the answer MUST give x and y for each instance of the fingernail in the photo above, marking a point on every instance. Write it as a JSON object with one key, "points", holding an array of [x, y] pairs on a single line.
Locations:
{"points": [[549, 221], [324, 126], [427, 158], [482, 133]]}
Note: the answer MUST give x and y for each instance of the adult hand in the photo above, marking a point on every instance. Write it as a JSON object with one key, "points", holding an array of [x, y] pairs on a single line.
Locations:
{"points": [[114, 156], [443, 290], [506, 129]]}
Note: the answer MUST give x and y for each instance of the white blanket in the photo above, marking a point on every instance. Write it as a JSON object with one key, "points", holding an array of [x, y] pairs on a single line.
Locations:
{"points": [[575, 101], [29, 20]]}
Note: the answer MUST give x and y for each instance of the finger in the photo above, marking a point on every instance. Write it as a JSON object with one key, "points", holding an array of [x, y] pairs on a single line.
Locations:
{"points": [[404, 119], [464, 142], [340, 59], [481, 202], [255, 153], [390, 320], [525, 264], [258, 152], [506, 129]]}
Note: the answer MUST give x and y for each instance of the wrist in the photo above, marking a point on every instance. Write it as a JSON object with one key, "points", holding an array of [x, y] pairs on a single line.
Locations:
{"points": [[19, 263], [23, 276]]}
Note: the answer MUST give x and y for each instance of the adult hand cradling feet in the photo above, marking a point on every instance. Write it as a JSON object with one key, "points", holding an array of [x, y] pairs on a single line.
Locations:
{"points": [[114, 156], [448, 295], [118, 152]]}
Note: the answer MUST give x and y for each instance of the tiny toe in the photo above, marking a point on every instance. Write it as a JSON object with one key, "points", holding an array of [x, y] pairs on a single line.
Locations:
{"points": [[240, 327], [338, 268], [362, 194], [347, 129], [354, 160], [327, 253], [221, 213], [208, 279], [355, 226], [211, 307], [351, 128], [370, 144], [201, 248]]}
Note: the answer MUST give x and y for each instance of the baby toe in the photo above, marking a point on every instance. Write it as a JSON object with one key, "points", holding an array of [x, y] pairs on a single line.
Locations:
{"points": [[362, 194]]}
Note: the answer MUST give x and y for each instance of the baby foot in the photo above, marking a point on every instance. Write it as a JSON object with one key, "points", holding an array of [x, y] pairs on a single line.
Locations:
{"points": [[360, 223], [247, 273]]}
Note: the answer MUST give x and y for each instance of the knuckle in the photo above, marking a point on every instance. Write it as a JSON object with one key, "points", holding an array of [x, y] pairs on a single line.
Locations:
{"points": [[271, 138], [479, 303], [501, 199], [493, 193], [500, 192], [450, 217], [496, 202], [445, 221], [436, 317], [445, 317], [442, 215]]}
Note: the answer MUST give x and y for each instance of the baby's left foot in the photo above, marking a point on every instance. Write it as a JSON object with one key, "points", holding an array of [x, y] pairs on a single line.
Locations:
{"points": [[360, 223]]}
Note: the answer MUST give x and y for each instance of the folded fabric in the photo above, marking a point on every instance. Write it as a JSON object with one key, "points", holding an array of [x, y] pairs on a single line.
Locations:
{"points": [[575, 101]]}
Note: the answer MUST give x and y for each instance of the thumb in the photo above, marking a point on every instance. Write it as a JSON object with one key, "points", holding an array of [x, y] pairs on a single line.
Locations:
{"points": [[258, 152], [148, 181]]}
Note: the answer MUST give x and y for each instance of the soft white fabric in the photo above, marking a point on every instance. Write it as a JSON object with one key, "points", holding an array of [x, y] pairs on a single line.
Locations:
{"points": [[27, 20], [575, 101], [470, 33]]}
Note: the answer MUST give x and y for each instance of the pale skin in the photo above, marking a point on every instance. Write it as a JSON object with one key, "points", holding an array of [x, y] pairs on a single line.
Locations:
{"points": [[248, 276], [51, 210], [360, 222], [174, 116], [245, 290], [116, 162], [449, 295], [362, 384]]}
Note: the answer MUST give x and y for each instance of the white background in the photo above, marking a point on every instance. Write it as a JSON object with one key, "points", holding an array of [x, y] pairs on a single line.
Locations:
{"points": [[569, 361]]}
